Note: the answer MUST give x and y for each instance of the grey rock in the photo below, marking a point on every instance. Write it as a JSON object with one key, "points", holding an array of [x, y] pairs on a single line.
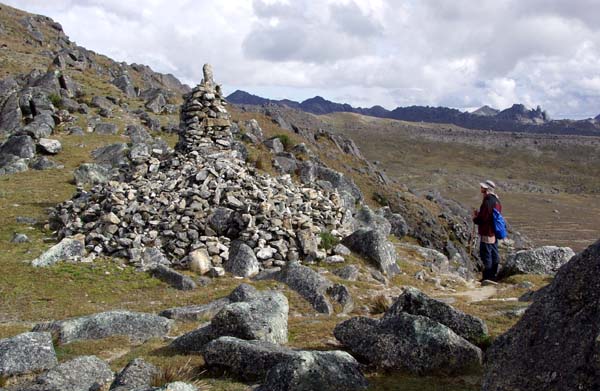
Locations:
{"points": [[106, 128], [275, 145], [138, 373], [83, 373], [366, 218], [67, 249], [11, 164], [285, 165], [349, 272], [175, 386], [26, 353], [20, 145], [408, 342], [220, 220], [242, 261], [26, 220], [49, 146], [340, 294], [42, 126], [542, 260], [399, 226], [196, 312], [125, 84], [43, 163], [113, 155], [415, 302], [309, 284], [135, 325], [156, 104], [375, 246], [101, 103], [173, 278], [340, 249], [253, 128], [91, 174], [248, 360], [19, 238], [555, 345], [313, 370], [75, 131]]}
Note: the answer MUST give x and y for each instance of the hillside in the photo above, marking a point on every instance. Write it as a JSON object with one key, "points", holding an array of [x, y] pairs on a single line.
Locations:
{"points": [[153, 231]]}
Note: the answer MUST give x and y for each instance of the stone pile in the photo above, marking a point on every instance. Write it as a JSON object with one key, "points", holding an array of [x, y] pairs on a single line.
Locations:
{"points": [[192, 204]]}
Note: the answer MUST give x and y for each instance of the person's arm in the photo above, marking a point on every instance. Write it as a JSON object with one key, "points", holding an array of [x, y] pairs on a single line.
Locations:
{"points": [[484, 213]]}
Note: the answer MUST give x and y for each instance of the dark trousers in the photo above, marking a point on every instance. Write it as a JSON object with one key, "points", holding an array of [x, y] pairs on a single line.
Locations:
{"points": [[490, 258]]}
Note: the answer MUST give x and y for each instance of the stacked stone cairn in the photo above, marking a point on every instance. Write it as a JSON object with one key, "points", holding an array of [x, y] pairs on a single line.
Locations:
{"points": [[192, 204]]}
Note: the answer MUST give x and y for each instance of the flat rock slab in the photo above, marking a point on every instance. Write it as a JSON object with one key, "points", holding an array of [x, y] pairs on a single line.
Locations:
{"points": [[415, 302], [68, 249], [283, 368], [26, 353], [135, 325]]}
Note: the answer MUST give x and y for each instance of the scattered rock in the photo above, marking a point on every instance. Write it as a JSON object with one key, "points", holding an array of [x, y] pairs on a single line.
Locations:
{"points": [[43, 163], [275, 145], [173, 278], [196, 312], [138, 373], [309, 284], [19, 145], [26, 353], [135, 325], [242, 261], [105, 128], [91, 174], [349, 272], [200, 262], [19, 238], [81, 373], [49, 146]]}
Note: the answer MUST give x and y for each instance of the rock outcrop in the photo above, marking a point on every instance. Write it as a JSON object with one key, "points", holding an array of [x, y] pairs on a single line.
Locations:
{"points": [[555, 344], [374, 245]]}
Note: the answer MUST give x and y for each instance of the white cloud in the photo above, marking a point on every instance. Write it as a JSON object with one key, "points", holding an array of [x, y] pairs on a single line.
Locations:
{"points": [[365, 52]]}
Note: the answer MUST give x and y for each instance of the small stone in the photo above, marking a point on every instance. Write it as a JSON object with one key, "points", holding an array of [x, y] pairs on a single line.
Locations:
{"points": [[19, 238]]}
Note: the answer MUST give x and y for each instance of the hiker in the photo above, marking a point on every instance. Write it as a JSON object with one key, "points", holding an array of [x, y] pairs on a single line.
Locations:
{"points": [[484, 218]]}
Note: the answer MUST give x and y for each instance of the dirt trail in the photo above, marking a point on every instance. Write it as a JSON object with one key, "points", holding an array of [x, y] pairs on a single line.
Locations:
{"points": [[478, 293]]}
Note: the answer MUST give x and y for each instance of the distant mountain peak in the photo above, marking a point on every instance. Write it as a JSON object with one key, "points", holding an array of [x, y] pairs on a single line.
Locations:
{"points": [[486, 111]]}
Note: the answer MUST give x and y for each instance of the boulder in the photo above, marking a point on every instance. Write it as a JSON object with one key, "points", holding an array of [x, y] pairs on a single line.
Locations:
{"points": [[285, 165], [21, 146], [199, 261], [125, 84], [309, 284], [366, 218], [242, 261], [542, 260], [80, 374], [42, 125], [105, 128], [399, 226], [313, 370], [135, 325], [555, 345], [340, 294], [415, 302], [26, 353], [249, 315], [68, 249], [11, 164], [406, 342], [49, 146], [19, 238], [156, 104], [113, 155], [101, 103], [374, 245], [253, 128], [138, 373], [91, 174], [43, 163]]}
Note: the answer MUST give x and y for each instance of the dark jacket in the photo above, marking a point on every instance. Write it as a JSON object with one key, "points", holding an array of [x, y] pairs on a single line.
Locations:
{"points": [[485, 216]]}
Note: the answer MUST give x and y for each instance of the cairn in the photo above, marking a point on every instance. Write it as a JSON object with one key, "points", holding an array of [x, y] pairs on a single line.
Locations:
{"points": [[204, 122], [201, 198]]}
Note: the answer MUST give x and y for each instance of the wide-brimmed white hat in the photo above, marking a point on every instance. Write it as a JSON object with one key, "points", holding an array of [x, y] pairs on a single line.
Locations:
{"points": [[488, 184]]}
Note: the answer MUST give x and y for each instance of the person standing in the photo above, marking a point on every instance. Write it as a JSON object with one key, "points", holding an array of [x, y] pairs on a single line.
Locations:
{"points": [[484, 218]]}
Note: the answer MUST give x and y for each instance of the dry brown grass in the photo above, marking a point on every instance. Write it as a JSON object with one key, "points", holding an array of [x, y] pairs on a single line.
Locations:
{"points": [[380, 304]]}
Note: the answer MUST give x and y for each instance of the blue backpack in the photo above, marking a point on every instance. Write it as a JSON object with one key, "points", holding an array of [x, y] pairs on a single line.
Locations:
{"points": [[499, 225]]}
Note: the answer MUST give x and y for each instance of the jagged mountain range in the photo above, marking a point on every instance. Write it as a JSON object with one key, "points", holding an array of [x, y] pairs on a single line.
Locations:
{"points": [[517, 118]]}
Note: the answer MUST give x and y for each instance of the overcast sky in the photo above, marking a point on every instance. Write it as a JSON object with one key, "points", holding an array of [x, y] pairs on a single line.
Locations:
{"points": [[456, 53]]}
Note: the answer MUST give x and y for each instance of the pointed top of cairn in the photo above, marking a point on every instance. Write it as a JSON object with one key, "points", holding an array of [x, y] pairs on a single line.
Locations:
{"points": [[204, 122]]}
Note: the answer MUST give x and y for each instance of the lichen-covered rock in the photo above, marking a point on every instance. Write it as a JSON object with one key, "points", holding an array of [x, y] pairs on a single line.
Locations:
{"points": [[408, 342], [366, 218], [80, 374], [21, 146], [136, 325], [309, 284], [250, 315], [542, 260], [91, 174], [196, 312], [312, 370], [68, 249], [26, 353], [415, 302], [138, 373], [49, 146], [242, 261], [555, 346], [349, 272], [375, 246]]}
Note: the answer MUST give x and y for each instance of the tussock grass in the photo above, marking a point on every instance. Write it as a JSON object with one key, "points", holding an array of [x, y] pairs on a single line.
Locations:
{"points": [[380, 304]]}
